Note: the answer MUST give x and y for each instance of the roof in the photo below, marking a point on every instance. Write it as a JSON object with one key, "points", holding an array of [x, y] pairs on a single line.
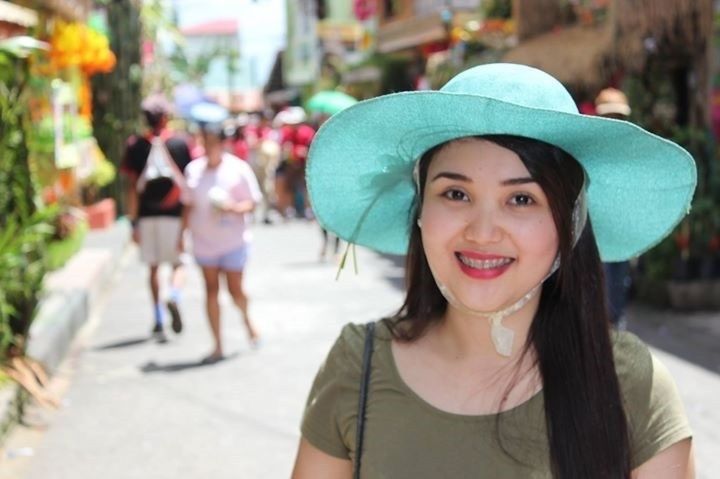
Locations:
{"points": [[577, 56], [215, 27]]}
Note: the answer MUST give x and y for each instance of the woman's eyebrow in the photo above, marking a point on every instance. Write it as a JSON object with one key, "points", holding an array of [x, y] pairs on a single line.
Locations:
{"points": [[517, 181], [452, 176]]}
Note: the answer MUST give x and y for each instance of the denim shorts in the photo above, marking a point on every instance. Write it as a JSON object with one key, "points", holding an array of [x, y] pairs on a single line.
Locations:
{"points": [[231, 261]]}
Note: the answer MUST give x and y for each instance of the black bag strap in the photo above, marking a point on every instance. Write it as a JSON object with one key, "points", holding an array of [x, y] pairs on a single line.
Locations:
{"points": [[362, 402]]}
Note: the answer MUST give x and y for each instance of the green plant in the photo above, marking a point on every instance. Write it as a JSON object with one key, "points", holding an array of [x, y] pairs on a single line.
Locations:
{"points": [[24, 227], [692, 250], [102, 175], [497, 9], [22, 268]]}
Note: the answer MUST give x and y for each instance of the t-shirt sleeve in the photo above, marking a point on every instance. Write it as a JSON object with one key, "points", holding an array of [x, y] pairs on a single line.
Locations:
{"points": [[254, 187], [656, 416], [188, 191], [248, 187], [328, 421]]}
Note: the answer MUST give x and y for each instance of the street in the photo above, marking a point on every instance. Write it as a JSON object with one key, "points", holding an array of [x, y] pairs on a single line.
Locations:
{"points": [[132, 408]]}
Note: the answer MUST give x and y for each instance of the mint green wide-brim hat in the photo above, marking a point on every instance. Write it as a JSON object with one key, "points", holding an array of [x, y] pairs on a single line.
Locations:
{"points": [[360, 163]]}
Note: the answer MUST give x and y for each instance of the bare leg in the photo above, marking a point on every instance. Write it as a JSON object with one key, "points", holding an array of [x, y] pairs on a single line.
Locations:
{"points": [[234, 284], [154, 283], [212, 306], [157, 312], [176, 282], [178, 276]]}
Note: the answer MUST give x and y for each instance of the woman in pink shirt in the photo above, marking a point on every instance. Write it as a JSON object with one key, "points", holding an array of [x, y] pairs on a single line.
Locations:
{"points": [[222, 191]]}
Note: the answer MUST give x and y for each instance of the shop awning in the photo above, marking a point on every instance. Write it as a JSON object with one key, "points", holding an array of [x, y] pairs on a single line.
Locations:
{"points": [[577, 56], [17, 15], [75, 10], [403, 34]]}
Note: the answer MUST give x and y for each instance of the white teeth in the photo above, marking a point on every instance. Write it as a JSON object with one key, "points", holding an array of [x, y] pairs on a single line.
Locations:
{"points": [[484, 264]]}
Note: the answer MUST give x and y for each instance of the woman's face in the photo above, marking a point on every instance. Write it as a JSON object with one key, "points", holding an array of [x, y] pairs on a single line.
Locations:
{"points": [[487, 228]]}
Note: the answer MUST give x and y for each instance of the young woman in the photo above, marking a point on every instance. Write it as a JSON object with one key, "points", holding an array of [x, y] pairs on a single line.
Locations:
{"points": [[501, 362], [222, 191]]}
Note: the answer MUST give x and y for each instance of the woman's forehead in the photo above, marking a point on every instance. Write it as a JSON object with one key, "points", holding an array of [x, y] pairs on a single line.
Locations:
{"points": [[478, 156]]}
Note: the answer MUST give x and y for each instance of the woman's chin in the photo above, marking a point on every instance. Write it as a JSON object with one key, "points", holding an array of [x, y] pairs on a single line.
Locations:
{"points": [[476, 304]]}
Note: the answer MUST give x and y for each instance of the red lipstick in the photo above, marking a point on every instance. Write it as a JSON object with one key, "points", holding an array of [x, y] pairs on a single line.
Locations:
{"points": [[483, 273]]}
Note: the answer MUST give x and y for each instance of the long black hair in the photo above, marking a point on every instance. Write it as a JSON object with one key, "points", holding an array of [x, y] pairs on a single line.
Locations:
{"points": [[570, 333]]}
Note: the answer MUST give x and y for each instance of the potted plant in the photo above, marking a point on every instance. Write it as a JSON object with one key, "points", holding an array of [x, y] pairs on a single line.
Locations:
{"points": [[100, 213]]}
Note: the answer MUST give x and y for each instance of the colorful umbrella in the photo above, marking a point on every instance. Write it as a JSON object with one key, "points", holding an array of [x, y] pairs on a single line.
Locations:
{"points": [[330, 102]]}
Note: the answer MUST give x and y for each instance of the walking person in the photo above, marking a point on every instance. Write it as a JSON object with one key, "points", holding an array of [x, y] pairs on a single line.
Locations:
{"points": [[222, 192], [295, 139], [501, 362], [154, 205], [264, 153]]}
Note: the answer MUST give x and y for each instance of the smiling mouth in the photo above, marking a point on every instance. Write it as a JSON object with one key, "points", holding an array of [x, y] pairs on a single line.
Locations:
{"points": [[484, 264]]}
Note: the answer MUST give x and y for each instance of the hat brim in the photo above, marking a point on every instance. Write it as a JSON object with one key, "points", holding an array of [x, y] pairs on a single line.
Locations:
{"points": [[360, 166]]}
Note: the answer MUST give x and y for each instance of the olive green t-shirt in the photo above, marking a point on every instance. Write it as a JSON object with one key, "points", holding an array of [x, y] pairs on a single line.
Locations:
{"points": [[406, 437]]}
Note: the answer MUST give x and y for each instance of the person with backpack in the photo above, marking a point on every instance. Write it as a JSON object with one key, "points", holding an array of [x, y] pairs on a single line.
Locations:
{"points": [[153, 164]]}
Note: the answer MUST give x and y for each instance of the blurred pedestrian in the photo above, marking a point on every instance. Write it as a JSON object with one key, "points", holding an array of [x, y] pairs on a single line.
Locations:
{"points": [[501, 362], [612, 103], [222, 192], [153, 204], [295, 138], [264, 153]]}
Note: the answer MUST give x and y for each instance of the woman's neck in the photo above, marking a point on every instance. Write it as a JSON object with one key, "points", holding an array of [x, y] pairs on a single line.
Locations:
{"points": [[214, 157], [466, 336]]}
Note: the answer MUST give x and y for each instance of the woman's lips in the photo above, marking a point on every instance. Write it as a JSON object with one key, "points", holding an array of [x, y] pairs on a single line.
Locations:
{"points": [[483, 266]]}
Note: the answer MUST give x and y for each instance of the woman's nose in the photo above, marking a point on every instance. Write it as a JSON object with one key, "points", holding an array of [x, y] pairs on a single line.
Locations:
{"points": [[483, 226]]}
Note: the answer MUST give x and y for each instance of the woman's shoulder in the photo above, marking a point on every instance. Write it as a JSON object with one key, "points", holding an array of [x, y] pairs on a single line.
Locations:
{"points": [[237, 164], [351, 342], [647, 386], [633, 359], [656, 416], [348, 351], [628, 347]]}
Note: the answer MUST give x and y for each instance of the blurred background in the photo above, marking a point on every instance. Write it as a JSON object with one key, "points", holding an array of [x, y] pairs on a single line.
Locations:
{"points": [[85, 394]]}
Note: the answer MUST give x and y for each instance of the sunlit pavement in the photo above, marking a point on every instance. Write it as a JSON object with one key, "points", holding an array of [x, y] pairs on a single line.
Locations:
{"points": [[136, 409]]}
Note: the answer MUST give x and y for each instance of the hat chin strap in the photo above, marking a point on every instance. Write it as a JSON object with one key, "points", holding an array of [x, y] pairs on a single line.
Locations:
{"points": [[502, 336]]}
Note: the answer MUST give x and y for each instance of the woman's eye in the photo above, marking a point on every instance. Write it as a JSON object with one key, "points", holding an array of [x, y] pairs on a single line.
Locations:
{"points": [[522, 200], [455, 195]]}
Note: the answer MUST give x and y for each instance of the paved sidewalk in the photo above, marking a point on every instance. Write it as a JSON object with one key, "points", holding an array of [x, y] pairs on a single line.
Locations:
{"points": [[69, 295], [136, 409]]}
